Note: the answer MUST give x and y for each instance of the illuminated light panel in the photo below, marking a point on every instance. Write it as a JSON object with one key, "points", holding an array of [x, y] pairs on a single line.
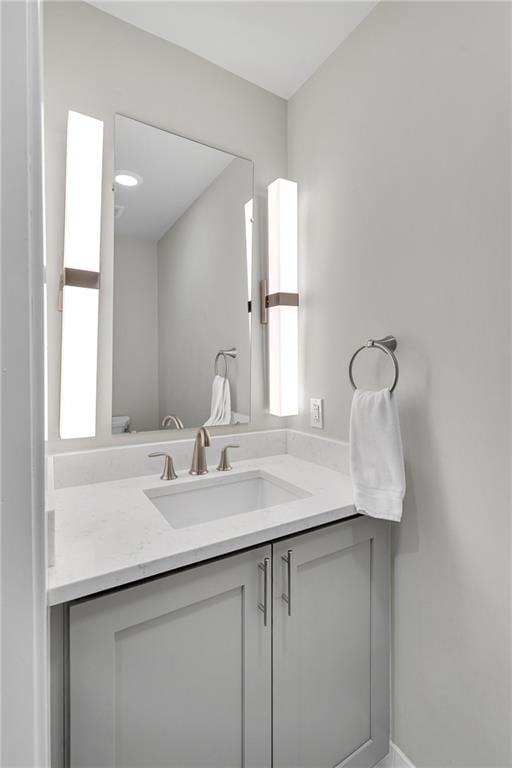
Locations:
{"points": [[82, 236], [248, 209], [283, 321]]}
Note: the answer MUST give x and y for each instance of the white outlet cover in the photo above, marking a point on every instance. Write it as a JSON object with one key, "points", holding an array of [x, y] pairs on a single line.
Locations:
{"points": [[316, 412]]}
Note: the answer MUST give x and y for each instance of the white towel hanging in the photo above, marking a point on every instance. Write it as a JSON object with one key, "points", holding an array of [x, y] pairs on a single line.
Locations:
{"points": [[376, 454], [220, 409]]}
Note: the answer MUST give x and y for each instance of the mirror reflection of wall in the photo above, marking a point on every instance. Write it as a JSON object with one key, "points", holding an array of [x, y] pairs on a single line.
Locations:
{"points": [[180, 281]]}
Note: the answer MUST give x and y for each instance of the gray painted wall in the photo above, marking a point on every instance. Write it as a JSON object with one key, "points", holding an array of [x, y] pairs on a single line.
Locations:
{"points": [[151, 80], [135, 328], [400, 143], [202, 298]]}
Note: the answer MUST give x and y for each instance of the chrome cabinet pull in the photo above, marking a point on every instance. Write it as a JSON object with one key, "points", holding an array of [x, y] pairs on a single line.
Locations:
{"points": [[265, 567], [288, 559]]}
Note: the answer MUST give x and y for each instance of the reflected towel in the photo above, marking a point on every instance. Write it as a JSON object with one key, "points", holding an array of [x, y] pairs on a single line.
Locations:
{"points": [[220, 409], [376, 455]]}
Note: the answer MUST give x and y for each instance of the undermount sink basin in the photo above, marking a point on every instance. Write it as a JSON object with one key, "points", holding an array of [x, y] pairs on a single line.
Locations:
{"points": [[214, 498]]}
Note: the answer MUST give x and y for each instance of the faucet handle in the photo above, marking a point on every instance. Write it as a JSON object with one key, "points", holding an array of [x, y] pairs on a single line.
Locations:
{"points": [[224, 465], [168, 470]]}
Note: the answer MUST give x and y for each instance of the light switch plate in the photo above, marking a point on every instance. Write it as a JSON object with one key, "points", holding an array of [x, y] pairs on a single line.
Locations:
{"points": [[316, 412]]}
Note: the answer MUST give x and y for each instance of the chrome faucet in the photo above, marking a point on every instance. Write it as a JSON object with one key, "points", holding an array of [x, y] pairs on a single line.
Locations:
{"points": [[172, 419], [199, 466]]}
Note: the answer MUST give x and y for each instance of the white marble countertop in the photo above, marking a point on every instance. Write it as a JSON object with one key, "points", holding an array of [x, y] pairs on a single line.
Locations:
{"points": [[109, 534]]}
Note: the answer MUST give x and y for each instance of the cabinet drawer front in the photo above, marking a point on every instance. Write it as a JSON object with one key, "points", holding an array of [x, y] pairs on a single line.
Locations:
{"points": [[331, 647], [175, 672]]}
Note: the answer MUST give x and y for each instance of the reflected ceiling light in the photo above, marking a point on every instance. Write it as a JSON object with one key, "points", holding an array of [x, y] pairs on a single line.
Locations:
{"points": [[128, 179], [280, 299]]}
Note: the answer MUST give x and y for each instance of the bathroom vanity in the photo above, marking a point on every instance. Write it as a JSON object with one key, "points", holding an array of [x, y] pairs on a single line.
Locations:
{"points": [[220, 637], [204, 615]]}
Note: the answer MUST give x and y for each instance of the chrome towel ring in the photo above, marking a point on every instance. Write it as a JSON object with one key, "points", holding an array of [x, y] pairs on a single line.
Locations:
{"points": [[388, 345], [225, 353]]}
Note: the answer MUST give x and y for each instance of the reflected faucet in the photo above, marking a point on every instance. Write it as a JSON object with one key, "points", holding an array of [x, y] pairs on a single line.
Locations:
{"points": [[202, 441], [172, 419]]}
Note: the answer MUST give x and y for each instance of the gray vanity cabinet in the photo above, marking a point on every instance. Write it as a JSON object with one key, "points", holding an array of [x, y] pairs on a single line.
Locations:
{"points": [[331, 647], [188, 671], [175, 672]]}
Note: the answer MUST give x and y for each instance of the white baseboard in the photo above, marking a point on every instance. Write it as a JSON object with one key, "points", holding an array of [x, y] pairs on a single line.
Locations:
{"points": [[395, 759]]}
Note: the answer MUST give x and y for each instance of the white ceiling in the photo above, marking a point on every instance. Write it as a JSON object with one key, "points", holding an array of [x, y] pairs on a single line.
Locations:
{"points": [[276, 45], [175, 172]]}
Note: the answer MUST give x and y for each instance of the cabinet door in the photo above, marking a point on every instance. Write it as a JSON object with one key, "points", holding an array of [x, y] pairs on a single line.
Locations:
{"points": [[174, 673], [331, 647]]}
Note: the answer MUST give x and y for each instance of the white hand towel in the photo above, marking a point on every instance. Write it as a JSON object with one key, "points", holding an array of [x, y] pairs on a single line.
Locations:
{"points": [[220, 409], [376, 455]]}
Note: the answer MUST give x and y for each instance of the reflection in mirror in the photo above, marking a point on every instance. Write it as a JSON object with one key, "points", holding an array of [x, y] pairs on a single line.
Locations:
{"points": [[182, 264]]}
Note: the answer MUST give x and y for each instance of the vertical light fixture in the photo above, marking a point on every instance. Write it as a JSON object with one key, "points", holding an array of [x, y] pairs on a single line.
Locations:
{"points": [[280, 299], [249, 220], [80, 276]]}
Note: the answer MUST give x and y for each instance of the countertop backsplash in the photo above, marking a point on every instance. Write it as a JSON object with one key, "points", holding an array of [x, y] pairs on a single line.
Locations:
{"points": [[66, 470]]}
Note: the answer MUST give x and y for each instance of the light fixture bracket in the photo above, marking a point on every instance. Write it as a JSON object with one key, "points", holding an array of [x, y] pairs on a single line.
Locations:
{"points": [[280, 299], [78, 278]]}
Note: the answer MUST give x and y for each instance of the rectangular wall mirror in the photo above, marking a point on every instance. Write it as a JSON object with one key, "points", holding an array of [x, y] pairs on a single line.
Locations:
{"points": [[182, 282]]}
